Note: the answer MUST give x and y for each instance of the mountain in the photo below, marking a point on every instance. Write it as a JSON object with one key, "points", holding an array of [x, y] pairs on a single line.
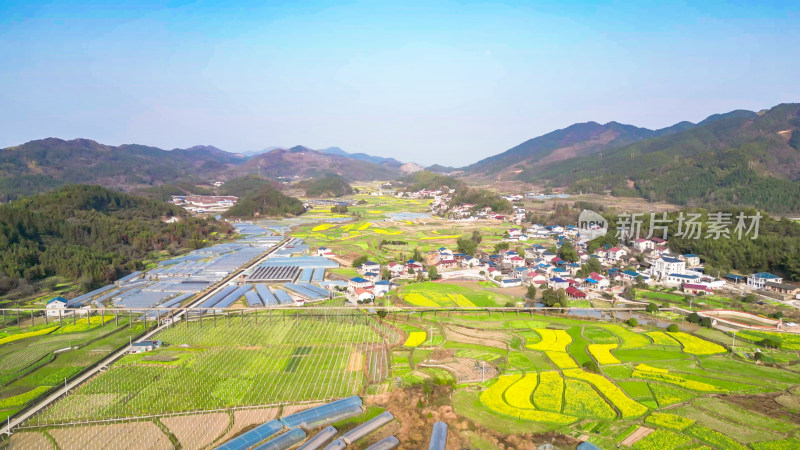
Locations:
{"points": [[302, 162], [740, 158], [362, 157], [576, 140], [211, 153], [43, 165], [581, 139]]}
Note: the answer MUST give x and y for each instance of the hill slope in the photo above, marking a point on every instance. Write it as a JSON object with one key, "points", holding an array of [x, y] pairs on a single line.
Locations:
{"points": [[303, 162], [257, 197], [738, 159], [46, 164], [580, 139], [91, 233]]}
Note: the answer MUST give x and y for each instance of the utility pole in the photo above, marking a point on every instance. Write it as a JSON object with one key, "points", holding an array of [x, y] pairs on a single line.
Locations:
{"points": [[733, 344]]}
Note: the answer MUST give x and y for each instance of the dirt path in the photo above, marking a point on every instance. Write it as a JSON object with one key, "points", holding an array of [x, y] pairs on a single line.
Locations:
{"points": [[637, 435]]}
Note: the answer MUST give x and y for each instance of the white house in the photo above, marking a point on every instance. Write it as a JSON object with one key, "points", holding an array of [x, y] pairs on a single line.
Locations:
{"points": [[363, 295], [358, 283], [666, 265], [758, 280], [676, 279], [616, 253], [56, 304], [396, 269], [369, 266], [381, 288], [691, 259], [325, 251]]}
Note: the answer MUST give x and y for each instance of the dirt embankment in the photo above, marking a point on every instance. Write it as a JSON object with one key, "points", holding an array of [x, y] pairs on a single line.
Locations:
{"points": [[417, 409]]}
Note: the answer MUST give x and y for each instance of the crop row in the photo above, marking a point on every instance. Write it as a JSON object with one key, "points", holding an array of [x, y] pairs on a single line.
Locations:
{"points": [[627, 406], [493, 399]]}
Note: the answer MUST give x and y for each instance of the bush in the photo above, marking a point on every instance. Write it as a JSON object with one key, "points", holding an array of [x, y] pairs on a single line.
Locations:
{"points": [[706, 322], [591, 366], [693, 318], [652, 308], [633, 322], [673, 328], [770, 342]]}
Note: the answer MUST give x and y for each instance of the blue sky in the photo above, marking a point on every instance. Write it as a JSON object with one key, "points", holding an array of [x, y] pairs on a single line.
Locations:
{"points": [[429, 81]]}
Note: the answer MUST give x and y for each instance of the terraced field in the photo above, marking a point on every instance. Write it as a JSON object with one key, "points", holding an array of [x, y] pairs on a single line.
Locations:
{"points": [[549, 384]]}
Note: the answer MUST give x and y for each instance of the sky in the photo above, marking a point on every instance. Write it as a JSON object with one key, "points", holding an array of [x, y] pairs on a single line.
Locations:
{"points": [[425, 81]]}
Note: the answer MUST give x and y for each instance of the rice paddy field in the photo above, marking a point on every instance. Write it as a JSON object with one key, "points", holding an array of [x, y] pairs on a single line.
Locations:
{"points": [[650, 388]]}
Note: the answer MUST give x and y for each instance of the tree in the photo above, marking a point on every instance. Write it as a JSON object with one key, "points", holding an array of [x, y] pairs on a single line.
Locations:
{"points": [[652, 308], [411, 271], [360, 261], [693, 318], [567, 252], [531, 294], [706, 322], [770, 342], [416, 256], [381, 314], [476, 236], [500, 246], [673, 328], [467, 246], [433, 273], [386, 274], [592, 265], [633, 322]]}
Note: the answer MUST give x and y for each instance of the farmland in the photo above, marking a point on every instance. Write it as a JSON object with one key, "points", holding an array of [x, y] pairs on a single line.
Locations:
{"points": [[544, 383], [207, 367], [32, 362], [378, 228]]}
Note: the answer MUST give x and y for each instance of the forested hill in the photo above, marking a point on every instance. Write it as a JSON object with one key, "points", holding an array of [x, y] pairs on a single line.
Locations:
{"points": [[734, 160], [91, 234], [45, 164], [257, 197], [329, 185]]}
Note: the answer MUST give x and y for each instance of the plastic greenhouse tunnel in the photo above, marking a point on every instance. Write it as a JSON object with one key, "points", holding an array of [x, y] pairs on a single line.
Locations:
{"points": [[320, 439], [325, 414], [284, 441], [254, 436]]}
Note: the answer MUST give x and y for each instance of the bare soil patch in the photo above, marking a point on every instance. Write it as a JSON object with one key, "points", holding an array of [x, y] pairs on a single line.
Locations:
{"points": [[198, 430], [637, 435], [121, 435], [29, 439], [772, 404], [355, 362], [414, 424]]}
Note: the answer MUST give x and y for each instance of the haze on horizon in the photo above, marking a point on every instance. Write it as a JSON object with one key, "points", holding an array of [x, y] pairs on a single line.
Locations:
{"points": [[429, 81]]}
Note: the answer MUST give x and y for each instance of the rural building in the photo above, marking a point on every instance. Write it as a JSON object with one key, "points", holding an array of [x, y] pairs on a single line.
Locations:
{"points": [[369, 266], [786, 290], [144, 346], [666, 265], [55, 305], [575, 292], [691, 259], [758, 280], [359, 283]]}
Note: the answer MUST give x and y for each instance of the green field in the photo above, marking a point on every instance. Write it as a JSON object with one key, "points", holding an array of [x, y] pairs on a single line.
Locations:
{"points": [[30, 367], [655, 372], [232, 364]]}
